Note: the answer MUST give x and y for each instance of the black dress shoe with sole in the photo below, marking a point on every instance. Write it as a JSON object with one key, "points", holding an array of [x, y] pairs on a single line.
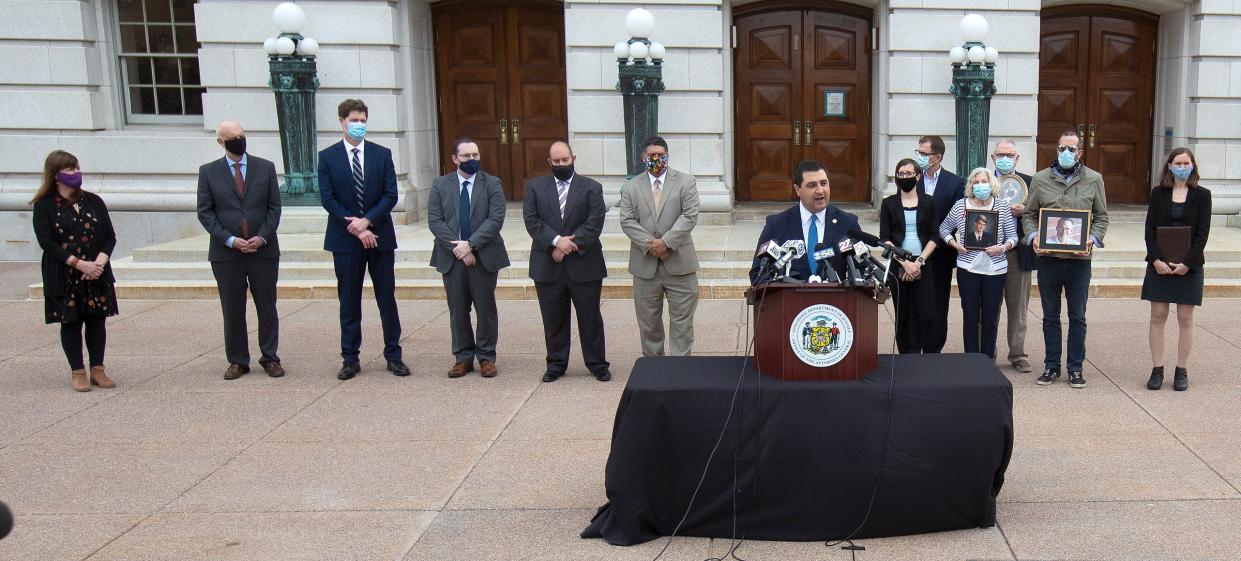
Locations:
{"points": [[349, 370], [398, 368], [550, 376], [1180, 379], [1156, 380], [604, 375]]}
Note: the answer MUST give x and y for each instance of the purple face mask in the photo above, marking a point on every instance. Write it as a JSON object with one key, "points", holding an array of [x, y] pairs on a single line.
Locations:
{"points": [[71, 180]]}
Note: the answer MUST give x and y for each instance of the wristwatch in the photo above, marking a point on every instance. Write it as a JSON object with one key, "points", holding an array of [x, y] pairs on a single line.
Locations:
{"points": [[921, 262]]}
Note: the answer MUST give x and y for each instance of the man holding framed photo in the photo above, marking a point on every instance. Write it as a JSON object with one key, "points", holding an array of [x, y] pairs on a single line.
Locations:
{"points": [[1065, 190]]}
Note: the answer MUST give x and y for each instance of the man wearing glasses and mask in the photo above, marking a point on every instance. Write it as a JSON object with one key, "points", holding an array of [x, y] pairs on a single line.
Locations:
{"points": [[1015, 186], [1067, 184]]}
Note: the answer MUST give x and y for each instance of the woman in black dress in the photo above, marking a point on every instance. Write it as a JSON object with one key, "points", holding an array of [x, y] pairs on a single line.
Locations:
{"points": [[1177, 201], [75, 232]]}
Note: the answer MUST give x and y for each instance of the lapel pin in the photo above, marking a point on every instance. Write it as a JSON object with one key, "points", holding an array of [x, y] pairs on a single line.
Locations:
{"points": [[833, 221]]}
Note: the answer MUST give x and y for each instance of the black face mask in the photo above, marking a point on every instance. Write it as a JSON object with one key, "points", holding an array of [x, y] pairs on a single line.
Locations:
{"points": [[907, 184], [236, 146], [563, 173]]}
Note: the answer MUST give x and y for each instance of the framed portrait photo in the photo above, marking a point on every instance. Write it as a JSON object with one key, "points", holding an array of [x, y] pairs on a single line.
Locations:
{"points": [[1063, 230], [1014, 189], [979, 231]]}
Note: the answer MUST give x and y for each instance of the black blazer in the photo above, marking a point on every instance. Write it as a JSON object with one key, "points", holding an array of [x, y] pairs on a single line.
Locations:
{"points": [[220, 208], [1197, 216], [50, 237], [948, 190], [892, 220], [336, 193], [786, 225], [584, 214]]}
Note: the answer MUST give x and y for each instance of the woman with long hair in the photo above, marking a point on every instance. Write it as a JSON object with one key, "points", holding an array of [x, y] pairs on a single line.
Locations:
{"points": [[907, 221], [1178, 200], [75, 232]]}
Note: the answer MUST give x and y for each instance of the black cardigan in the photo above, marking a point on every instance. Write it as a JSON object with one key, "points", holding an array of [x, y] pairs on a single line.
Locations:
{"points": [[1197, 215], [54, 264], [892, 220]]}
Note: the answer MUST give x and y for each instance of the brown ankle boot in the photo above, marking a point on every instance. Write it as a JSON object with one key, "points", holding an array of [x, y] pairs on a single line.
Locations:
{"points": [[80, 382], [100, 378]]}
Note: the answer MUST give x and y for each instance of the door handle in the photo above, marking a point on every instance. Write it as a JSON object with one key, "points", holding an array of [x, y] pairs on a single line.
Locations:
{"points": [[503, 131], [1090, 138], [809, 135], [516, 133], [1081, 131], [796, 133]]}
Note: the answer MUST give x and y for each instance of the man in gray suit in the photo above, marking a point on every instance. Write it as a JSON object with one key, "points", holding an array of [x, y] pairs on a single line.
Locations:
{"points": [[239, 205], [658, 211], [469, 254]]}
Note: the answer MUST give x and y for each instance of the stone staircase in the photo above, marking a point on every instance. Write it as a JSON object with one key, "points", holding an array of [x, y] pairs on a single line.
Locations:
{"points": [[179, 269]]}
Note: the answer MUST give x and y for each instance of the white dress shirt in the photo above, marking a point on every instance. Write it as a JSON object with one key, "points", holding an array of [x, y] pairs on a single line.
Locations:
{"points": [[805, 225], [361, 154], [930, 181]]}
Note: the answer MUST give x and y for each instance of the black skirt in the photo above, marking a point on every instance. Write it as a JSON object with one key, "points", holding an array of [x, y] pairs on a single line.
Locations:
{"points": [[1173, 289]]}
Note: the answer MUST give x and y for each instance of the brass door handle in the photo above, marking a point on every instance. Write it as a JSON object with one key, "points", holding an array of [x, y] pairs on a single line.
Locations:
{"points": [[809, 134], [796, 133], [1081, 131], [503, 131], [1090, 138], [516, 134]]}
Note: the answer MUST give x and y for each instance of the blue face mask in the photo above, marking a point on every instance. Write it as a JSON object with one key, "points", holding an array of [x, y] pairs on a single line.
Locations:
{"points": [[923, 162], [1066, 159], [356, 130], [1182, 173], [1005, 164], [982, 191]]}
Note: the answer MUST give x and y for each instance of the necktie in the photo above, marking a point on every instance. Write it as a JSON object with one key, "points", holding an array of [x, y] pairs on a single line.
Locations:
{"points": [[812, 240], [463, 210], [241, 192], [358, 185], [658, 193], [562, 190]]}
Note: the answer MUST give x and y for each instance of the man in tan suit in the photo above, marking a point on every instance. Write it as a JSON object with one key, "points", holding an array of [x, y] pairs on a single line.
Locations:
{"points": [[658, 211]]}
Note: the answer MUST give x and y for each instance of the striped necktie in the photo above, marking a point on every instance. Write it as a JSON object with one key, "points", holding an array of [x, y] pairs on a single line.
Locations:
{"points": [[358, 185], [562, 189]]}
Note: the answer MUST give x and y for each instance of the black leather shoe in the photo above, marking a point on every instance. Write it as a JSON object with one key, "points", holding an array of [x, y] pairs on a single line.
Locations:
{"points": [[1156, 380], [604, 375], [1180, 379], [348, 370], [550, 376], [398, 367]]}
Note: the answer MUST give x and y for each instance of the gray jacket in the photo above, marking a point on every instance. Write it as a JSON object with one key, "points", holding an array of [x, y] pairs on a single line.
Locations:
{"points": [[673, 222], [221, 208], [1084, 191], [486, 219]]}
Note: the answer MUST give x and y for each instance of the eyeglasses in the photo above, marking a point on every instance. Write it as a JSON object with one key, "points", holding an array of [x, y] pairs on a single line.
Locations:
{"points": [[925, 154], [906, 175], [1070, 149], [1005, 155]]}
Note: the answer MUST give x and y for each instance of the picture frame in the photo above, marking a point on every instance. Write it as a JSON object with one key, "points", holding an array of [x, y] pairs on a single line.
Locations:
{"points": [[1013, 189], [1063, 230], [980, 229], [834, 102]]}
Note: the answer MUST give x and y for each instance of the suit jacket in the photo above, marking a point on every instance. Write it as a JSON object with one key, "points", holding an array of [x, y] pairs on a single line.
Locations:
{"points": [[486, 219], [892, 220], [948, 190], [337, 194], [786, 225], [1197, 215], [673, 222], [584, 213], [221, 208]]}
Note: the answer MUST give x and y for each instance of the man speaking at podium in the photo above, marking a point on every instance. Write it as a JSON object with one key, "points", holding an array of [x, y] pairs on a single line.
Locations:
{"points": [[811, 220]]}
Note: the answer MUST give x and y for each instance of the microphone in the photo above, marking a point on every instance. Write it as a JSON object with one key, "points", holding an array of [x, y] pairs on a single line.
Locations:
{"points": [[766, 254], [873, 241], [795, 249], [868, 239], [6, 521], [822, 253]]}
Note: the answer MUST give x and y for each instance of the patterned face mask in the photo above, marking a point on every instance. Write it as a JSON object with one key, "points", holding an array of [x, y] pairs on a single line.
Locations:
{"points": [[656, 164]]}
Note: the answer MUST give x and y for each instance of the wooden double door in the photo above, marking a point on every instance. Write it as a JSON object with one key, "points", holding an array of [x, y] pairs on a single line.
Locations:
{"points": [[802, 86], [1097, 76], [500, 79]]}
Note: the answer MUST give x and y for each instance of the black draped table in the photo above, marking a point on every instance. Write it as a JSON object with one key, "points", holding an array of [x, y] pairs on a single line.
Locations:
{"points": [[799, 460]]}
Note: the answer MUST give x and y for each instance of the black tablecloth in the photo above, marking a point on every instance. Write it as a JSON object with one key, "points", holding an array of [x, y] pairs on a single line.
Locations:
{"points": [[805, 455]]}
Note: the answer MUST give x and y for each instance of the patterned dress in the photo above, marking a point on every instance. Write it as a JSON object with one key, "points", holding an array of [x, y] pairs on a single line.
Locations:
{"points": [[83, 229]]}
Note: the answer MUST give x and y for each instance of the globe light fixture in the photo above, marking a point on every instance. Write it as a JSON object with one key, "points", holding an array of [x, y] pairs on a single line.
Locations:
{"points": [[974, 28], [977, 54], [294, 80], [656, 51], [289, 18], [285, 46], [269, 46], [621, 51], [638, 50], [639, 23], [640, 83], [973, 85], [992, 55], [957, 55], [308, 47]]}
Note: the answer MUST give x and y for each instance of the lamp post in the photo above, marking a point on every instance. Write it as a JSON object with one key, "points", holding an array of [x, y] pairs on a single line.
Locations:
{"points": [[973, 84], [291, 59], [640, 84]]}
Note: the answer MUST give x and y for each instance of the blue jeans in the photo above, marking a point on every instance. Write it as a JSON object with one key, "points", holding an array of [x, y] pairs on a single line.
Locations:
{"points": [[1072, 276], [981, 296]]}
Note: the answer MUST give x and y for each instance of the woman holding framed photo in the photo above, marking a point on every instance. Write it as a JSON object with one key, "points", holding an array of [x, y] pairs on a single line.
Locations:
{"points": [[907, 221], [980, 227], [1178, 222]]}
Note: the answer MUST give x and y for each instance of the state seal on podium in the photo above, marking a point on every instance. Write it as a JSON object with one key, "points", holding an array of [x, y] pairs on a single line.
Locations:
{"points": [[821, 335]]}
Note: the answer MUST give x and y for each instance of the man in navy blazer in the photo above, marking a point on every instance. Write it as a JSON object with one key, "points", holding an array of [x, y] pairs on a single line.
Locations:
{"points": [[357, 185], [946, 188], [811, 219]]}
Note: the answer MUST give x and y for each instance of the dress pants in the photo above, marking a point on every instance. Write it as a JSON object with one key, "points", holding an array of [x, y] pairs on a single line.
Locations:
{"points": [[555, 299], [351, 270], [232, 278], [648, 303], [472, 287], [1017, 302], [915, 313], [1071, 277], [981, 296], [945, 262]]}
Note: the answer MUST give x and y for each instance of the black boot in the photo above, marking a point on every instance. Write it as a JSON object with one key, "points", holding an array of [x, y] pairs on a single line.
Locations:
{"points": [[1156, 380], [1180, 379]]}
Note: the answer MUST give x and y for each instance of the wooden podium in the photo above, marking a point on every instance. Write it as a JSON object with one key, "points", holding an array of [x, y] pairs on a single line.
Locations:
{"points": [[778, 305]]}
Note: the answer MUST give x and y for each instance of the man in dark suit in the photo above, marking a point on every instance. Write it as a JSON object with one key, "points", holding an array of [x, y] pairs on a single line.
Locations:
{"points": [[469, 254], [811, 219], [239, 205], [1021, 262], [357, 184], [564, 215], [946, 188]]}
